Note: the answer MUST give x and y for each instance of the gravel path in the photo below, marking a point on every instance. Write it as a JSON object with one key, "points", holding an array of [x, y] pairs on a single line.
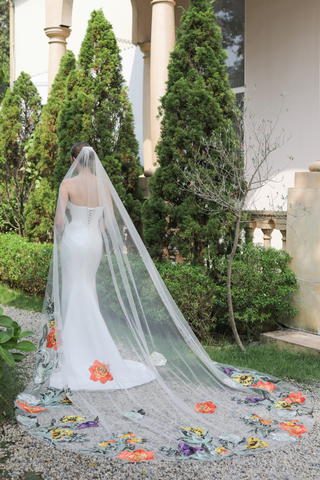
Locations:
{"points": [[24, 453]]}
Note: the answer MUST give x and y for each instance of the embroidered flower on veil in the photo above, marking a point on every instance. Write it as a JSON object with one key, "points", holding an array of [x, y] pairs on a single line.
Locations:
{"points": [[100, 372], [158, 359], [51, 339]]}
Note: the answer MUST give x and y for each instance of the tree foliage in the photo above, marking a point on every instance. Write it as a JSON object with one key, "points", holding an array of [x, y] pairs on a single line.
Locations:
{"points": [[97, 110], [40, 213], [19, 116], [43, 153], [198, 101], [44, 150]]}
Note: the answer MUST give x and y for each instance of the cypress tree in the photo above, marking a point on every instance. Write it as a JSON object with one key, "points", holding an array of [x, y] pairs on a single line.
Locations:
{"points": [[197, 103], [19, 115], [40, 213], [97, 110], [44, 149], [43, 154]]}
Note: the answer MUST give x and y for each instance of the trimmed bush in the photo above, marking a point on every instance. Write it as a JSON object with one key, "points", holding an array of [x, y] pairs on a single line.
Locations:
{"points": [[194, 292], [23, 264], [261, 285]]}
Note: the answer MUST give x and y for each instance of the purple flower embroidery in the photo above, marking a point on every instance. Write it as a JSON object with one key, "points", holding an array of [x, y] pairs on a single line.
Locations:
{"points": [[188, 450], [88, 425], [228, 371], [254, 400]]}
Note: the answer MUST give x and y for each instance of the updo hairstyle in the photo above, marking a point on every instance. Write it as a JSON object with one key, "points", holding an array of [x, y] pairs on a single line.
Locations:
{"points": [[76, 149]]}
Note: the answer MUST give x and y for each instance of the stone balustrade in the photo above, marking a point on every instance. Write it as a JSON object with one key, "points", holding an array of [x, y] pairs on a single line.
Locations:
{"points": [[268, 221]]}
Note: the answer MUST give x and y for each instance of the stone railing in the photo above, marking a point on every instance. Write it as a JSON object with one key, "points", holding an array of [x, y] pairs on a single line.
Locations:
{"points": [[268, 221]]}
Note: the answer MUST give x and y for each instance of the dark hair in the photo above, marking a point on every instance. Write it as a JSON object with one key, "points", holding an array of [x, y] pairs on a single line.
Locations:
{"points": [[76, 148]]}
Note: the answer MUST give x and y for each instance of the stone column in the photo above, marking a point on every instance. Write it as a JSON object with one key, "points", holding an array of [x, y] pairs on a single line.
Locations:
{"points": [[162, 43], [303, 245], [11, 52], [57, 48], [147, 146]]}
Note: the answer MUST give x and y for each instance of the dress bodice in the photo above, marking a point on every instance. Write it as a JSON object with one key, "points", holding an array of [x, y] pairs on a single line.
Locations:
{"points": [[86, 216]]}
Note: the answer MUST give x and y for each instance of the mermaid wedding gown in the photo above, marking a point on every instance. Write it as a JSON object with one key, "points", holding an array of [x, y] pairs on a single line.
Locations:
{"points": [[85, 337], [119, 371]]}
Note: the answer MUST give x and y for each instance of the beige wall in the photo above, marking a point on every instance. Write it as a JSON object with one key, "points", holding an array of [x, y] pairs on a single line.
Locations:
{"points": [[282, 54], [31, 44]]}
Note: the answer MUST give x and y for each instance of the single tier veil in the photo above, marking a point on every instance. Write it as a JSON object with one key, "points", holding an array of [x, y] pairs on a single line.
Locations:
{"points": [[119, 372]]}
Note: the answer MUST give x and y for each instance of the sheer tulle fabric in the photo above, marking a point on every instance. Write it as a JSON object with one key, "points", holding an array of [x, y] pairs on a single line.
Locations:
{"points": [[117, 352]]}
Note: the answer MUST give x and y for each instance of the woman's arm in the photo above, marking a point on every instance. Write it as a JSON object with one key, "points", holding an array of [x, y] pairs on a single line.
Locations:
{"points": [[61, 207]]}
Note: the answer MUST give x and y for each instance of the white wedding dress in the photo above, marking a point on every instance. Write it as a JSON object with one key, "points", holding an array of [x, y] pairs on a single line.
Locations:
{"points": [[85, 336]]}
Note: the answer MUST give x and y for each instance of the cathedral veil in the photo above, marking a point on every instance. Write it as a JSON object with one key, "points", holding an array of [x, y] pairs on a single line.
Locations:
{"points": [[119, 371]]}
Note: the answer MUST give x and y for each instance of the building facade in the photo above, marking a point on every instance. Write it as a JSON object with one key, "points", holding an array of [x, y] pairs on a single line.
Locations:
{"points": [[273, 47]]}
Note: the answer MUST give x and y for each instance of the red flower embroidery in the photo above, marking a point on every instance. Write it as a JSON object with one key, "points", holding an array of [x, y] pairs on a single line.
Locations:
{"points": [[293, 429], [206, 407], [267, 386], [295, 398], [100, 372], [52, 339], [25, 406], [136, 456]]}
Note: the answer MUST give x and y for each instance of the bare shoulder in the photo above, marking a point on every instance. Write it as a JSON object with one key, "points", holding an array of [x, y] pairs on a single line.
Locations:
{"points": [[67, 184]]}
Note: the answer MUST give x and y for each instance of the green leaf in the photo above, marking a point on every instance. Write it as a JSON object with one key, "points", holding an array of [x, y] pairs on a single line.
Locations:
{"points": [[10, 345], [18, 357], [27, 333], [25, 346], [6, 321], [7, 356], [4, 337], [1, 311], [1, 371]]}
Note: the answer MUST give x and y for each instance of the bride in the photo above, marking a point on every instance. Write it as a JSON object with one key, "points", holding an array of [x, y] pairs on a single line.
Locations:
{"points": [[119, 372]]}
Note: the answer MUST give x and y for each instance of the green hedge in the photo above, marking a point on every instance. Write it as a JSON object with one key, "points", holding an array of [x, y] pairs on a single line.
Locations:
{"points": [[23, 264], [262, 284]]}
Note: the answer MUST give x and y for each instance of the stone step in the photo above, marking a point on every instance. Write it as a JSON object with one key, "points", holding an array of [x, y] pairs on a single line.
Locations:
{"points": [[293, 340]]}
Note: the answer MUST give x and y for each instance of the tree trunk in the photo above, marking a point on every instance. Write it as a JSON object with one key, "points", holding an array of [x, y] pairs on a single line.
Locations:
{"points": [[230, 306]]}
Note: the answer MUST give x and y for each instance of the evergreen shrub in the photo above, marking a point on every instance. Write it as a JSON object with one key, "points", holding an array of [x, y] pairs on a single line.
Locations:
{"points": [[23, 264], [19, 115], [97, 110], [197, 103], [261, 285], [43, 153]]}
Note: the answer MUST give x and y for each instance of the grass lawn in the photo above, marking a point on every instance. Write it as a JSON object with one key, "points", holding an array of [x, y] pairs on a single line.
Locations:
{"points": [[270, 359], [19, 299]]}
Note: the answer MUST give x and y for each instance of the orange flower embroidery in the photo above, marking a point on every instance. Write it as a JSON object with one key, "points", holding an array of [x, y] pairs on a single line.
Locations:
{"points": [[104, 444], [100, 372], [52, 339], [293, 429], [266, 386], [136, 456], [134, 440], [262, 421], [222, 450], [295, 398], [128, 435], [25, 406], [206, 407]]}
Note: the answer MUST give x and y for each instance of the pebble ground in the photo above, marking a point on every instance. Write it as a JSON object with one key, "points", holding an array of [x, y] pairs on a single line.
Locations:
{"points": [[24, 457]]}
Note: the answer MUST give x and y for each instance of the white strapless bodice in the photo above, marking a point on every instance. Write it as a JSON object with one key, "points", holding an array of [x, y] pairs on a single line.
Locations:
{"points": [[86, 216]]}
